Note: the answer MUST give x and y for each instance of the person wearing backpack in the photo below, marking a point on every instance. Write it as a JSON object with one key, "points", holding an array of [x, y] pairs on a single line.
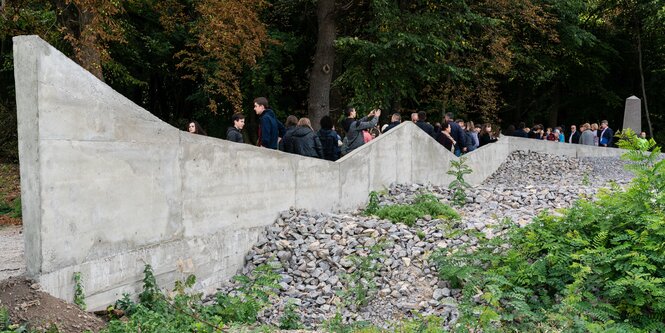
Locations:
{"points": [[329, 139], [270, 129]]}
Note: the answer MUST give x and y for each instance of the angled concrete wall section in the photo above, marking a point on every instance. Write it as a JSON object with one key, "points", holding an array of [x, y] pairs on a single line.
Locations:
{"points": [[108, 188]]}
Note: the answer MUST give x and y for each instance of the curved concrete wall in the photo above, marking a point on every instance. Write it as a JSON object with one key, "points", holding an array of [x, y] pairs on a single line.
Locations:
{"points": [[107, 187]]}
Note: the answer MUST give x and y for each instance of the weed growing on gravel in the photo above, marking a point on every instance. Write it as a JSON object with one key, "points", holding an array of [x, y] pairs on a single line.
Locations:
{"points": [[252, 296], [459, 169], [596, 267], [424, 204], [290, 320], [359, 285], [372, 204]]}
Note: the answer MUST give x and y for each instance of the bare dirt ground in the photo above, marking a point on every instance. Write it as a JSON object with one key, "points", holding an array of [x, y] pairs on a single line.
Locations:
{"points": [[39, 310], [26, 304]]}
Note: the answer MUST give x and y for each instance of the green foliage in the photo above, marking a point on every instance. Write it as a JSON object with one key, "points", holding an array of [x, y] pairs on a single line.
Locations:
{"points": [[4, 319], [79, 295], [336, 324], [252, 296], [424, 204], [599, 266], [421, 234], [373, 204], [359, 285], [151, 295], [12, 209], [290, 320], [459, 185], [182, 311], [420, 324]]}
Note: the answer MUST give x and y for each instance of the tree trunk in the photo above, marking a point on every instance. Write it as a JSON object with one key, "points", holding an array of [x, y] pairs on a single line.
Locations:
{"points": [[77, 19], [554, 108], [322, 69], [644, 92]]}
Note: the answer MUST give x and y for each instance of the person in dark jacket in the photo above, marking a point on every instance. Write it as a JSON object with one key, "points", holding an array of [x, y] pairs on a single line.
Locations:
{"points": [[304, 140], [270, 129], [574, 136], [520, 132], [350, 113], [233, 133], [425, 126], [354, 137], [329, 139], [291, 123], [605, 135], [395, 120], [446, 140], [485, 136], [457, 134]]}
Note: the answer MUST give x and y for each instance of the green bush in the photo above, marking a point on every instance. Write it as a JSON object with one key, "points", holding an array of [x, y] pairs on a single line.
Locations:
{"points": [[424, 204], [181, 311], [600, 266]]}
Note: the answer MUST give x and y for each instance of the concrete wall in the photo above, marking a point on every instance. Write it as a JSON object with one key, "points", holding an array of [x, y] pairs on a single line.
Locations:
{"points": [[107, 187]]}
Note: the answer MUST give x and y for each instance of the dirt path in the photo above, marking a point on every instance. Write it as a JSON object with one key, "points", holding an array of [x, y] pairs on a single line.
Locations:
{"points": [[12, 257]]}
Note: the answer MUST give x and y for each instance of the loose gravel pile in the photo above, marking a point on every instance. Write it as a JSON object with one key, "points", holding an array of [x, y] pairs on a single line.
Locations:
{"points": [[312, 250]]}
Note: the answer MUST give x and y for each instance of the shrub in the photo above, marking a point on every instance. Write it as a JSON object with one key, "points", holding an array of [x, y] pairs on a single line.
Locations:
{"points": [[181, 311], [599, 266], [459, 169]]}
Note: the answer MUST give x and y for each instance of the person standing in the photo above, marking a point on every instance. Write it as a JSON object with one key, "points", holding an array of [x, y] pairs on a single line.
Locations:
{"points": [[329, 139], [233, 133], [304, 141], [269, 127], [395, 120], [195, 128], [424, 125], [354, 138], [457, 134], [574, 136], [586, 138], [606, 136], [350, 116], [485, 136]]}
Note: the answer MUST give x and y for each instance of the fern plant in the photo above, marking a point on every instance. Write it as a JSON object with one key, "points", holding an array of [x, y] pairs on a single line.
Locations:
{"points": [[600, 266]]}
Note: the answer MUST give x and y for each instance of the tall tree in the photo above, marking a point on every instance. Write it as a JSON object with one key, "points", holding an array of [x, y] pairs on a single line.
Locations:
{"points": [[89, 25], [324, 60], [228, 36]]}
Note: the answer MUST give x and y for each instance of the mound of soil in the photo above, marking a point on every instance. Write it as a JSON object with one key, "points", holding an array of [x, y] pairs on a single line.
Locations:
{"points": [[39, 310]]}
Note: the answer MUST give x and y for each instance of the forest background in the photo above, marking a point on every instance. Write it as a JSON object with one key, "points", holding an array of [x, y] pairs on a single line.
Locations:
{"points": [[555, 62]]}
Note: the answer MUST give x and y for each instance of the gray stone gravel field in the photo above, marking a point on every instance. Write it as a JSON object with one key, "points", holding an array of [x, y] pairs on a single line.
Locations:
{"points": [[312, 250]]}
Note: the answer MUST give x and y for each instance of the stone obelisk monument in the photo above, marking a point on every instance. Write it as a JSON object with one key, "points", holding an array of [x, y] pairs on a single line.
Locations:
{"points": [[632, 115]]}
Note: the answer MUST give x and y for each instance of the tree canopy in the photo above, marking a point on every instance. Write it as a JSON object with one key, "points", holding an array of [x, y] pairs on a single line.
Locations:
{"points": [[506, 61]]}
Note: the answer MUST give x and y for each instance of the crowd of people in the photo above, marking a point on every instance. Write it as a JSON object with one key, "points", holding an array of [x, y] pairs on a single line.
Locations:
{"points": [[588, 134], [297, 136]]}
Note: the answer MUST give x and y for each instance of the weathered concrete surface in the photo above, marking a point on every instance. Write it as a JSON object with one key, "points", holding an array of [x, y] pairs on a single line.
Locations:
{"points": [[107, 187], [632, 114]]}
